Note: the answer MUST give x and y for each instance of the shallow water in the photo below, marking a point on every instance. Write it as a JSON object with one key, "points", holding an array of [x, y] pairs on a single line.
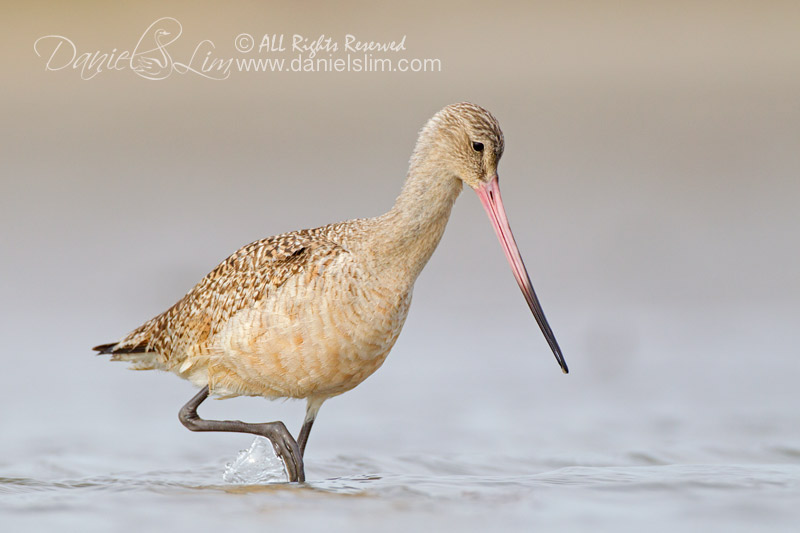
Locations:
{"points": [[467, 492]]}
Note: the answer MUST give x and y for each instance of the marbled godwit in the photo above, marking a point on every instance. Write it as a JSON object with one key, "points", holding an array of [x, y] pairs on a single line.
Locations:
{"points": [[310, 314]]}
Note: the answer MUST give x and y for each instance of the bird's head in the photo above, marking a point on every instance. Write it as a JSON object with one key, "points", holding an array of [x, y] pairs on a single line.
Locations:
{"points": [[465, 141]]}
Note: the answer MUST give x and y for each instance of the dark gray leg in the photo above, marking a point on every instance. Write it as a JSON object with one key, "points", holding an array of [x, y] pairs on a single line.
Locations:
{"points": [[283, 442], [302, 438], [312, 408]]}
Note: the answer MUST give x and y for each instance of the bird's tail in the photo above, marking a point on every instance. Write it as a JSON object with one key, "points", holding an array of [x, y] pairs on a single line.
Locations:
{"points": [[135, 348], [116, 348]]}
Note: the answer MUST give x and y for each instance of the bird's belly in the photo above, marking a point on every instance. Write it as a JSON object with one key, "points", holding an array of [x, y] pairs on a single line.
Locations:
{"points": [[306, 341]]}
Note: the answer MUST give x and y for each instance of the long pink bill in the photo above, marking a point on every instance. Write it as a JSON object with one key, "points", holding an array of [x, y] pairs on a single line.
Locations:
{"points": [[493, 203]]}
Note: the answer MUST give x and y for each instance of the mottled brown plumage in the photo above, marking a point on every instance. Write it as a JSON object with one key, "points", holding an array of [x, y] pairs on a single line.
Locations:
{"points": [[242, 280]]}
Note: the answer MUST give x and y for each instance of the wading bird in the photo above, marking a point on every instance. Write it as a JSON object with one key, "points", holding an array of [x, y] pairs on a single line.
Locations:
{"points": [[312, 313]]}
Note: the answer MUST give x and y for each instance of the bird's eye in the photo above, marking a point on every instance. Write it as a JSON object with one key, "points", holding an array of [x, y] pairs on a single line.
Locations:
{"points": [[478, 147]]}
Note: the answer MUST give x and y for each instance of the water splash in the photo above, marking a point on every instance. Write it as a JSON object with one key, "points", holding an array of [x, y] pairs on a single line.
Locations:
{"points": [[256, 465]]}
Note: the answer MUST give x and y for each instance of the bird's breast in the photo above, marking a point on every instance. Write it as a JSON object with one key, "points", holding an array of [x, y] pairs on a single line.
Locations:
{"points": [[318, 334]]}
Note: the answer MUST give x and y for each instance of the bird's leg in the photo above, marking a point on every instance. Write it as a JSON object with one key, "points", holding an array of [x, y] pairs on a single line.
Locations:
{"points": [[283, 442], [302, 438], [312, 409]]}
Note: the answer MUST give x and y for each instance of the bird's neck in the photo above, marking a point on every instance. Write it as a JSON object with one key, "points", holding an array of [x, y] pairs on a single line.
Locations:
{"points": [[406, 236]]}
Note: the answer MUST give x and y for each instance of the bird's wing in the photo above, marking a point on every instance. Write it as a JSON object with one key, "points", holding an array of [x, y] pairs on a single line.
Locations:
{"points": [[240, 281]]}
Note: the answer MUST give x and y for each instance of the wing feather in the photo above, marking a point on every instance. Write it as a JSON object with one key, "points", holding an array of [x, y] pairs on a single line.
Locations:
{"points": [[243, 279]]}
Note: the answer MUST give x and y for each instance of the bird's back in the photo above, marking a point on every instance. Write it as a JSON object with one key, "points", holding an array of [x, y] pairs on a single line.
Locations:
{"points": [[294, 315]]}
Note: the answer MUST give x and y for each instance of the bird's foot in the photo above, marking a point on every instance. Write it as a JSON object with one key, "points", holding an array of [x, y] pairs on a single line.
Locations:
{"points": [[286, 448], [282, 441]]}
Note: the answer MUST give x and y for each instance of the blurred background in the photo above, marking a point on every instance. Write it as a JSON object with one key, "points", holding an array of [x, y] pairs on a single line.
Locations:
{"points": [[650, 176]]}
